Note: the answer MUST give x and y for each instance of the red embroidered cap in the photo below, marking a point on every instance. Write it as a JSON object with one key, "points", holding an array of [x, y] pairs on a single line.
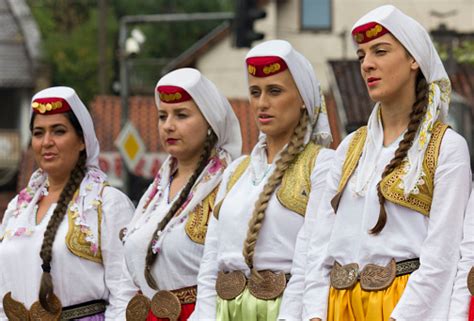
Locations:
{"points": [[368, 32], [173, 94], [265, 66], [50, 105]]}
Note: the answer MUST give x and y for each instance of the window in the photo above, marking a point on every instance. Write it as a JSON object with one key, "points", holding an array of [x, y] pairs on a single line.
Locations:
{"points": [[315, 14]]}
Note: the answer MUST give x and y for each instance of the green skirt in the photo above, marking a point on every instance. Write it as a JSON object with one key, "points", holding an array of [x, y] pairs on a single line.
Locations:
{"points": [[246, 307]]}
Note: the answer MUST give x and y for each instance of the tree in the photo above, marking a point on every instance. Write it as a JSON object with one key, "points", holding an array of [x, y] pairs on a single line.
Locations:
{"points": [[70, 42]]}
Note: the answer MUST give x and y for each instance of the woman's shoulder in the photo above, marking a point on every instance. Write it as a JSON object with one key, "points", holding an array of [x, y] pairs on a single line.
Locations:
{"points": [[453, 147], [113, 196]]}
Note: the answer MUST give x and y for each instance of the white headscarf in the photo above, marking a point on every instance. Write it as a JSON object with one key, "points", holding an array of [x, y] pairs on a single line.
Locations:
{"points": [[215, 108], [20, 220], [218, 113], [308, 86], [417, 42]]}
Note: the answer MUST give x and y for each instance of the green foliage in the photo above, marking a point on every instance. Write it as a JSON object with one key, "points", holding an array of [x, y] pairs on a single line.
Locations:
{"points": [[70, 35]]}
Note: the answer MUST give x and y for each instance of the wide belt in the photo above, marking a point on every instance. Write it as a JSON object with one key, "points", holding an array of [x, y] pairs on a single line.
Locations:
{"points": [[83, 309], [270, 285], [16, 310], [164, 304], [372, 277]]}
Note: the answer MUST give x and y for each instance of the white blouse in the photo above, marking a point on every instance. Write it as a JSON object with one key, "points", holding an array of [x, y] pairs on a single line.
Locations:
{"points": [[344, 237], [226, 236], [178, 262], [75, 280], [459, 308]]}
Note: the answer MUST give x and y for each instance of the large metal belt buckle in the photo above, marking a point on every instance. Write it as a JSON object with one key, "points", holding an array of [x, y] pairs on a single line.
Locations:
{"points": [[344, 277], [470, 281], [229, 285], [37, 313], [14, 310], [375, 278], [138, 308], [165, 304], [270, 286]]}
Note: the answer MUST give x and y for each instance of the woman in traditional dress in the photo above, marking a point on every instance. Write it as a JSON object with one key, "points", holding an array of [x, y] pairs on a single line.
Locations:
{"points": [[390, 224], [165, 240], [262, 199], [60, 251]]}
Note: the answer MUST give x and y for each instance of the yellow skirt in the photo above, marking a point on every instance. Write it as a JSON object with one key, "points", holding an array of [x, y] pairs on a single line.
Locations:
{"points": [[358, 305], [246, 307]]}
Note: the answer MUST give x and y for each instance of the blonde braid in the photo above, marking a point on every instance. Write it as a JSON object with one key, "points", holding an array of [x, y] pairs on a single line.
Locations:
{"points": [[288, 155]]}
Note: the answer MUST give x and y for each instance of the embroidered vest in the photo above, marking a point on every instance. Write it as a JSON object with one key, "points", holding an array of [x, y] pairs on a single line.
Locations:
{"points": [[196, 225], [76, 238], [392, 184], [293, 193]]}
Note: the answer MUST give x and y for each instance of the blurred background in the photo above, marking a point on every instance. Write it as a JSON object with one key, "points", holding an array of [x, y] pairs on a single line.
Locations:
{"points": [[113, 53]]}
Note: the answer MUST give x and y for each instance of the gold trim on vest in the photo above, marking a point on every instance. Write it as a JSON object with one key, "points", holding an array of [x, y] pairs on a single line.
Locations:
{"points": [[196, 224], [295, 187]]}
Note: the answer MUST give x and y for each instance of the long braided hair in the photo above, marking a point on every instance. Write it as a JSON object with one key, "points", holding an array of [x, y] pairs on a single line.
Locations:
{"points": [[46, 253], [288, 155], [418, 111], [203, 160]]}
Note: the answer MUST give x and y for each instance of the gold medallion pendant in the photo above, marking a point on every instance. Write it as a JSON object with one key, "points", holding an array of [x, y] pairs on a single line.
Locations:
{"points": [[344, 277], [166, 304], [269, 287], [138, 308], [229, 285]]}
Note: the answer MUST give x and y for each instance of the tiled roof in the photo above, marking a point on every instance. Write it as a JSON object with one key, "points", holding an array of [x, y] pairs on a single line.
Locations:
{"points": [[19, 44], [355, 106], [106, 112]]}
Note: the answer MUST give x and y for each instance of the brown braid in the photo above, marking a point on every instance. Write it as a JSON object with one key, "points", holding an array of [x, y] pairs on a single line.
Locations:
{"points": [[418, 111], [150, 256], [75, 179], [288, 155]]}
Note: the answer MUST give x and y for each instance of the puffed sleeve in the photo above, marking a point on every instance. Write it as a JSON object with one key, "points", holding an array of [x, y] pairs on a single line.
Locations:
{"points": [[459, 308], [117, 210], [292, 302], [318, 267], [428, 291]]}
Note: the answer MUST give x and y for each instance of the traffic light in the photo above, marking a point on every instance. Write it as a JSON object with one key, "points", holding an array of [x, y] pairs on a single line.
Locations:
{"points": [[246, 12]]}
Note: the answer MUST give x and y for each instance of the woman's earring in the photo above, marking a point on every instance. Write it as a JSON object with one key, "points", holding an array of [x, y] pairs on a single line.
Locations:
{"points": [[208, 132], [303, 106]]}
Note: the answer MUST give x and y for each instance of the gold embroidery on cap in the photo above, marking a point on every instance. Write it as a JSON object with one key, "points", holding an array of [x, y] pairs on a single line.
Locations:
{"points": [[359, 37], [251, 69], [170, 97], [270, 69], [373, 32], [42, 108]]}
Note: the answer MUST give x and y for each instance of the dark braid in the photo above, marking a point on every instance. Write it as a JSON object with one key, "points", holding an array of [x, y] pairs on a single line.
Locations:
{"points": [[418, 111], [288, 155], [75, 179], [150, 256]]}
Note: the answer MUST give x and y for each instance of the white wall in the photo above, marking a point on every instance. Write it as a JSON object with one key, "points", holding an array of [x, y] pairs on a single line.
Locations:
{"points": [[225, 65]]}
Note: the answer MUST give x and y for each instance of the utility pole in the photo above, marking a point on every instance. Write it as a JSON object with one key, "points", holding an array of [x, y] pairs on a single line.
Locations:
{"points": [[102, 68]]}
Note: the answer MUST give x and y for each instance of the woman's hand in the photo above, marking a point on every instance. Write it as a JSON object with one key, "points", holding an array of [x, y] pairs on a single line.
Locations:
{"points": [[315, 319]]}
